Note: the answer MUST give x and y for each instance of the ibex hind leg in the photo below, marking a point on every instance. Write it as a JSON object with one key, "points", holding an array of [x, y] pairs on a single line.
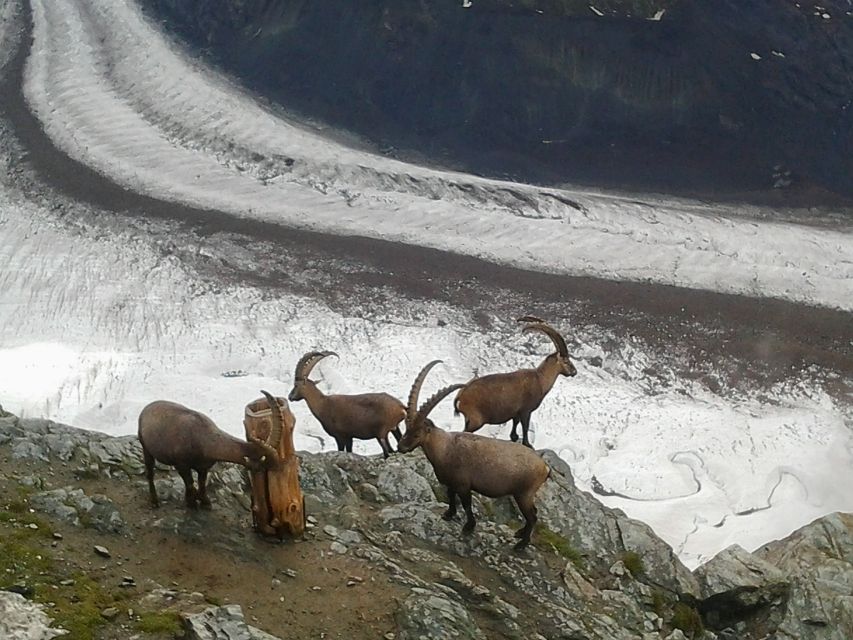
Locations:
{"points": [[398, 435], [149, 473], [190, 492], [471, 522], [528, 510], [203, 500]]}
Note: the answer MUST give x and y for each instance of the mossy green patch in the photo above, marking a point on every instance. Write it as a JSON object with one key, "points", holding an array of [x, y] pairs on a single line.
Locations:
{"points": [[78, 607], [633, 563], [167, 622], [25, 559], [559, 544], [687, 619], [658, 602]]}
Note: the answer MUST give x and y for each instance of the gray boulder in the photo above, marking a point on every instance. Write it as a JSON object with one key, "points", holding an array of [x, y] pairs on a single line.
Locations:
{"points": [[818, 560], [735, 584], [222, 623]]}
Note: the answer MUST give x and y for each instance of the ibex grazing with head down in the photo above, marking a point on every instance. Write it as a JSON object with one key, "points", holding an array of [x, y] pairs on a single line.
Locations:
{"points": [[499, 397], [464, 462], [188, 440], [344, 417]]}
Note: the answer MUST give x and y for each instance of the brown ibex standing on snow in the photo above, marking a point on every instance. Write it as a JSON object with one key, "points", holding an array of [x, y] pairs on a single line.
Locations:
{"points": [[188, 440], [499, 397], [344, 417], [464, 462]]}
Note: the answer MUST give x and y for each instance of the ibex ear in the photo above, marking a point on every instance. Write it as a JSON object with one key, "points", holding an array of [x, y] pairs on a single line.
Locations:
{"points": [[263, 458], [246, 460]]}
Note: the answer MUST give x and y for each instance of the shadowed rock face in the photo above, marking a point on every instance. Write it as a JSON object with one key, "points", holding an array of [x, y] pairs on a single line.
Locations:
{"points": [[548, 90]]}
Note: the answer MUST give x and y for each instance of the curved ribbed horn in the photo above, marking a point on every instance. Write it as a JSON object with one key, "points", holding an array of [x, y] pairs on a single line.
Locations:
{"points": [[309, 361], [552, 333], [530, 319], [430, 404], [411, 408], [275, 431]]}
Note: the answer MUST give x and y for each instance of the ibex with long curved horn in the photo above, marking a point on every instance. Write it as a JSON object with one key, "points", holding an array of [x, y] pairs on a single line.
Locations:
{"points": [[499, 397], [464, 462], [345, 417], [190, 441]]}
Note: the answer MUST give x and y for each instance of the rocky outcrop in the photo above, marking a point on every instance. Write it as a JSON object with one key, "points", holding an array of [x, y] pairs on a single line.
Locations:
{"points": [[222, 623], [591, 572], [21, 619]]}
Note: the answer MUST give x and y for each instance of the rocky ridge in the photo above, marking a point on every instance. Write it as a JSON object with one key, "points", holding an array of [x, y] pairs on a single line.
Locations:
{"points": [[591, 572]]}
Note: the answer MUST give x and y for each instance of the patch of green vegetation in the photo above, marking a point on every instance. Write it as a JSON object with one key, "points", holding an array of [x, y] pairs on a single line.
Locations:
{"points": [[76, 607], [687, 619], [216, 602], [167, 622], [633, 563], [560, 545], [658, 602], [20, 560], [17, 506]]}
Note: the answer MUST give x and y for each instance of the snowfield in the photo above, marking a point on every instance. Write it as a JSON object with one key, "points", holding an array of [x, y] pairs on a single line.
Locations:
{"points": [[96, 321]]}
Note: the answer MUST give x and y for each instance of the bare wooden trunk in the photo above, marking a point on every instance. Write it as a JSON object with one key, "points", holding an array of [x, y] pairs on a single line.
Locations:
{"points": [[278, 507]]}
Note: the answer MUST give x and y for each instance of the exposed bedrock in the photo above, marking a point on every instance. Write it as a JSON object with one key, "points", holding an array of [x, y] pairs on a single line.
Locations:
{"points": [[716, 97], [591, 572]]}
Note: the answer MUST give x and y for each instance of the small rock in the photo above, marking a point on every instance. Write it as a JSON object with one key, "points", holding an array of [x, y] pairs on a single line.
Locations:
{"points": [[102, 551], [57, 536], [110, 613], [337, 547], [66, 583], [33, 525]]}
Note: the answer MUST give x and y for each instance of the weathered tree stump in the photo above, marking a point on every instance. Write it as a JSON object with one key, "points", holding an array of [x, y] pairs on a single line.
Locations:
{"points": [[278, 506]]}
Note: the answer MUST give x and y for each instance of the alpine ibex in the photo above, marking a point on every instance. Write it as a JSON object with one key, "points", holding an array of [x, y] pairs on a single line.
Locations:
{"points": [[188, 440], [345, 417], [499, 397], [464, 462]]}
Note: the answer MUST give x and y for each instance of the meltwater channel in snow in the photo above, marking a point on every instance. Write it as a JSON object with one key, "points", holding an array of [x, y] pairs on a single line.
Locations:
{"points": [[94, 324]]}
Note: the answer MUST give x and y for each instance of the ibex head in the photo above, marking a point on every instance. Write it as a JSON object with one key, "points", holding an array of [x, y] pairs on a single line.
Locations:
{"points": [[418, 424], [561, 356], [303, 369]]}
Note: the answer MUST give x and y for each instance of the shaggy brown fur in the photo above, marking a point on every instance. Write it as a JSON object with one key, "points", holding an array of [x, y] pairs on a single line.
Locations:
{"points": [[500, 397], [464, 462], [175, 435], [346, 417]]}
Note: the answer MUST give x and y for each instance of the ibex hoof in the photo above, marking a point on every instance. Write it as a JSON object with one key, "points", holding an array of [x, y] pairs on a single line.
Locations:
{"points": [[520, 533], [521, 545], [468, 528], [205, 504], [513, 436], [448, 515]]}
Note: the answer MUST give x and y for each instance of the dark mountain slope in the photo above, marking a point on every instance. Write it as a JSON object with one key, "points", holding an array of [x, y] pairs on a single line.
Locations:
{"points": [[548, 90]]}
